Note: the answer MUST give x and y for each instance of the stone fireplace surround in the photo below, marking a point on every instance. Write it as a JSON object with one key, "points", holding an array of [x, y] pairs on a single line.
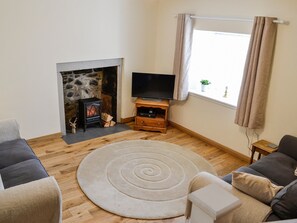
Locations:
{"points": [[81, 65]]}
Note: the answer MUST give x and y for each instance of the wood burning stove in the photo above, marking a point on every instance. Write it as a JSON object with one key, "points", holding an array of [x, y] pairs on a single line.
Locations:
{"points": [[89, 111]]}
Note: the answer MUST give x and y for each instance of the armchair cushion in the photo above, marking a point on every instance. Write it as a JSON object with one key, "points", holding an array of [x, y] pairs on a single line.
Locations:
{"points": [[284, 203], [258, 187]]}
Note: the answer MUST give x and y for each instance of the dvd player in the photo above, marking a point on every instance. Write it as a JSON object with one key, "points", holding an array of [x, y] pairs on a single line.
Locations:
{"points": [[148, 113]]}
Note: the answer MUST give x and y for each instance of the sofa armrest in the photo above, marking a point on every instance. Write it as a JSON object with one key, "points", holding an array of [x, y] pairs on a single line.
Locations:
{"points": [[9, 130], [288, 146], [251, 209], [34, 202]]}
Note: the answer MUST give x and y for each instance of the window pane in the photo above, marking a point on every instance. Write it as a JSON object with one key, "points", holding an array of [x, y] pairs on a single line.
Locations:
{"points": [[218, 57]]}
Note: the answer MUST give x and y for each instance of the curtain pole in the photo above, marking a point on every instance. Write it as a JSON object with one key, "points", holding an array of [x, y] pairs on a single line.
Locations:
{"points": [[278, 21]]}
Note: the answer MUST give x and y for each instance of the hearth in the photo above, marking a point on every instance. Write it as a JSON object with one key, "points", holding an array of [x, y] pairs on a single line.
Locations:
{"points": [[89, 112]]}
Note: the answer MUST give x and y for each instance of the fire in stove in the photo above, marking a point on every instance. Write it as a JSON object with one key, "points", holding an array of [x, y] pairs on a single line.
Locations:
{"points": [[92, 110]]}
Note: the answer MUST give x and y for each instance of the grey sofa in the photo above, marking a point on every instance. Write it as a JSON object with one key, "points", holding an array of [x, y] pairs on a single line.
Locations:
{"points": [[279, 167], [28, 193]]}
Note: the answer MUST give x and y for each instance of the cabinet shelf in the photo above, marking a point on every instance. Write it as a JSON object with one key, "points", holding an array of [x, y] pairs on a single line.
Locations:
{"points": [[151, 115]]}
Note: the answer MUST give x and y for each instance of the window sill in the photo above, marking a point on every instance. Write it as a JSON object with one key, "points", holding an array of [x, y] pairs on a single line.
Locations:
{"points": [[210, 98]]}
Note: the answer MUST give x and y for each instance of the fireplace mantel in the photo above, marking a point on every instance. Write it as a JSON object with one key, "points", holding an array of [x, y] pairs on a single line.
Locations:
{"points": [[81, 65]]}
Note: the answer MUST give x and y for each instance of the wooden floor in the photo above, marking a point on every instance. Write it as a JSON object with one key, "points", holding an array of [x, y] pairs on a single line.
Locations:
{"points": [[61, 161]]}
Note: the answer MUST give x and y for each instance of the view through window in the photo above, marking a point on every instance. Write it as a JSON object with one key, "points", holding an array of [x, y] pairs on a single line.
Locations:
{"points": [[218, 57]]}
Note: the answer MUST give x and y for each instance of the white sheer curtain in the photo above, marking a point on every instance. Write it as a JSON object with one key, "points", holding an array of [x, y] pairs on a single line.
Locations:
{"points": [[182, 56]]}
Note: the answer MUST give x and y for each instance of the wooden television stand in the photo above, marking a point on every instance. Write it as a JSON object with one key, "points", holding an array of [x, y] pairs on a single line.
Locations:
{"points": [[151, 115]]}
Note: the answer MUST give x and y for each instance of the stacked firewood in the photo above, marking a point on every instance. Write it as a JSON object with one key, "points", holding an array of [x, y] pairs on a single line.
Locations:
{"points": [[107, 120]]}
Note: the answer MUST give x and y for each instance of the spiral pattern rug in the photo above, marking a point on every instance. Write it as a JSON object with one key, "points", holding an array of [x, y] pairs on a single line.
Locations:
{"points": [[142, 179]]}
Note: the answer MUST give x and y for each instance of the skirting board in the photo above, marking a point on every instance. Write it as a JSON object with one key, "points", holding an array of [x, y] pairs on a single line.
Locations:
{"points": [[54, 135], [211, 142], [127, 120]]}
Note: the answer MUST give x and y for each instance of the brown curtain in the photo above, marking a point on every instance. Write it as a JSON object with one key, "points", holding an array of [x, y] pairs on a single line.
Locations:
{"points": [[254, 88], [183, 47]]}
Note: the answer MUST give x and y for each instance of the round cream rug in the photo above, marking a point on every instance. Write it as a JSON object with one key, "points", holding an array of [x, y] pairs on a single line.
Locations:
{"points": [[140, 178]]}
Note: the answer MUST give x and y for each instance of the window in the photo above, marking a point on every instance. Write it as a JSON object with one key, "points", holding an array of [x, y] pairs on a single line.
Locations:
{"points": [[218, 57]]}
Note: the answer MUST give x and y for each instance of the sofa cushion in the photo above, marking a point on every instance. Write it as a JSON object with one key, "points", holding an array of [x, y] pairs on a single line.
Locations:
{"points": [[15, 151], [288, 146], [284, 203], [244, 169], [277, 167], [22, 172], [258, 187]]}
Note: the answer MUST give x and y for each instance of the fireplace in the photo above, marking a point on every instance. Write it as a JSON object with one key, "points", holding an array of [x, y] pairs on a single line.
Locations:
{"points": [[77, 81], [89, 112]]}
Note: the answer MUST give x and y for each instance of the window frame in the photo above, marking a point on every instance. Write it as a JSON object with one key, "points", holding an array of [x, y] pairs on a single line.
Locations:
{"points": [[226, 102]]}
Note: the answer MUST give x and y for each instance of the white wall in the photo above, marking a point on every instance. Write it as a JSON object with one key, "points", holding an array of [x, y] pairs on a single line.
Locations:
{"points": [[213, 120], [37, 34]]}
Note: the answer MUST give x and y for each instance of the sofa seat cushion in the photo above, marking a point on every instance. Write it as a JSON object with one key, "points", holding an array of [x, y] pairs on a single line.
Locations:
{"points": [[22, 173], [277, 167], [15, 151]]}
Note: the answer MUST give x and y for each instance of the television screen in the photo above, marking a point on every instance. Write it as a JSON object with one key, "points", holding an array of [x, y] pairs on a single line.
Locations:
{"points": [[150, 85]]}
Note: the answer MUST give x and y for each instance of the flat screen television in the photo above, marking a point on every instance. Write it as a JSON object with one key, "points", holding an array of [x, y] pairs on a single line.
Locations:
{"points": [[152, 86]]}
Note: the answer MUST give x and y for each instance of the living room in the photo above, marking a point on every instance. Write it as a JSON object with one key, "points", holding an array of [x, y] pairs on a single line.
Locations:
{"points": [[38, 35]]}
